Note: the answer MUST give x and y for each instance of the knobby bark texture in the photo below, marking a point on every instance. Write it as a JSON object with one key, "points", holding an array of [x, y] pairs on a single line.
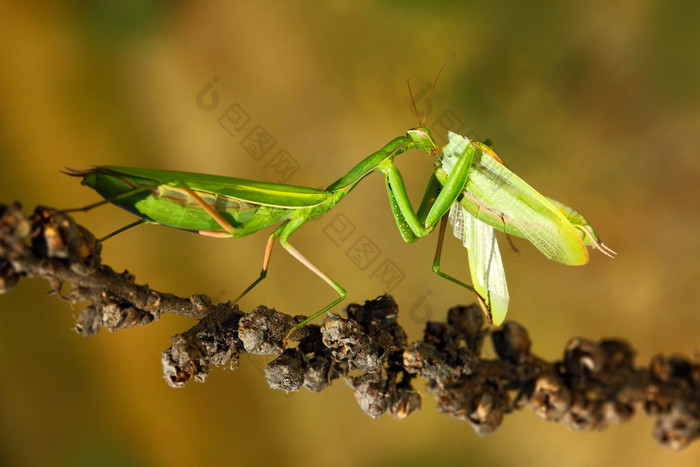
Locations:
{"points": [[594, 384]]}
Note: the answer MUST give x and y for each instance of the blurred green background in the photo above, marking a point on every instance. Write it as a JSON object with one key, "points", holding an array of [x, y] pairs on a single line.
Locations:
{"points": [[596, 104]]}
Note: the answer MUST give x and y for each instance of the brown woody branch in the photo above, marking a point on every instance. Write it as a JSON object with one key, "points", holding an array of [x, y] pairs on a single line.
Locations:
{"points": [[593, 386]]}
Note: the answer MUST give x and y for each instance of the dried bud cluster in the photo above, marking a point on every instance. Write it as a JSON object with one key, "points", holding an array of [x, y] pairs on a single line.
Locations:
{"points": [[594, 385]]}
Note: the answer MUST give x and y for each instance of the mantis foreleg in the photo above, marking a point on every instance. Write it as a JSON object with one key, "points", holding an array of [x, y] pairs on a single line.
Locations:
{"points": [[436, 201]]}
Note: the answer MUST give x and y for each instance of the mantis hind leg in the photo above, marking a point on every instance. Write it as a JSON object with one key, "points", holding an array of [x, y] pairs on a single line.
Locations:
{"points": [[438, 255], [82, 173], [122, 229], [106, 201], [436, 269]]}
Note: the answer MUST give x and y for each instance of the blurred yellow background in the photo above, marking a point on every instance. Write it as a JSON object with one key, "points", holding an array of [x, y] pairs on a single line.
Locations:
{"points": [[596, 104]]}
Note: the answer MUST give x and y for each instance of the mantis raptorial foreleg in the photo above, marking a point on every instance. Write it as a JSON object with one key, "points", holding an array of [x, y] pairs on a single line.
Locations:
{"points": [[436, 201], [452, 189], [436, 206]]}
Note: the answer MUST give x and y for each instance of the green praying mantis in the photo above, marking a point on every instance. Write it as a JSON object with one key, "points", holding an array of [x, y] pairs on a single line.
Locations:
{"points": [[469, 181], [495, 198]]}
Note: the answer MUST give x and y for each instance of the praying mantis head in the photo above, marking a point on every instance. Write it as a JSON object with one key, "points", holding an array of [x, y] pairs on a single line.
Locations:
{"points": [[423, 139]]}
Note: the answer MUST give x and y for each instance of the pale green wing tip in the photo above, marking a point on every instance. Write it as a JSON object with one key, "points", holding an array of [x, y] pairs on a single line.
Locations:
{"points": [[499, 309], [498, 321], [496, 316], [577, 260]]}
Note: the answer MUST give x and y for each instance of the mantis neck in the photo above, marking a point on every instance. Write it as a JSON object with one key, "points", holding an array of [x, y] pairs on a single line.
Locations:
{"points": [[348, 181]]}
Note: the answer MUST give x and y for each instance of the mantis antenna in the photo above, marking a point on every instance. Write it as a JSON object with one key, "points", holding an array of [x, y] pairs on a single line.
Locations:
{"points": [[421, 121]]}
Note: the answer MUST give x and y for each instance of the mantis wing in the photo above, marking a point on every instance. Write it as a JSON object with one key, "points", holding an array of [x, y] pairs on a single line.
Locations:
{"points": [[498, 197], [485, 265]]}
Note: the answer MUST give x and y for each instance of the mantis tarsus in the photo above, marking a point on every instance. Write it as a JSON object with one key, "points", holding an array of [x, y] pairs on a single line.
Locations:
{"points": [[469, 179]]}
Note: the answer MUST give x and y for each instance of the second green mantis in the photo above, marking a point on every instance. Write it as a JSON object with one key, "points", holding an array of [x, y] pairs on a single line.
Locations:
{"points": [[493, 197]]}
